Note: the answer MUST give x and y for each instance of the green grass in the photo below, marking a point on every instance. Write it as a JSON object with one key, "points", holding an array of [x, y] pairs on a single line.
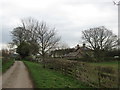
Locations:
{"points": [[46, 78], [7, 65], [113, 64]]}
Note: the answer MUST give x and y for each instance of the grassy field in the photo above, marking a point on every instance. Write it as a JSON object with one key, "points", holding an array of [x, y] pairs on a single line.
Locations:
{"points": [[113, 64], [46, 78], [7, 65]]}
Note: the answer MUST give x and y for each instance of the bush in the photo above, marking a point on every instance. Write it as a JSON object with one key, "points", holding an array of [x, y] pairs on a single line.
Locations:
{"points": [[29, 58]]}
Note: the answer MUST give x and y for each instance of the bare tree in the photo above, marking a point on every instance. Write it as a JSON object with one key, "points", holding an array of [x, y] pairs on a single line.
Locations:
{"points": [[30, 26], [36, 33], [18, 35], [99, 38], [47, 39], [26, 33]]}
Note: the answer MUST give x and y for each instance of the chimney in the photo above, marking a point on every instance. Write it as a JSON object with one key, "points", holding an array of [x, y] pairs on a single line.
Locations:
{"points": [[84, 45], [77, 47]]}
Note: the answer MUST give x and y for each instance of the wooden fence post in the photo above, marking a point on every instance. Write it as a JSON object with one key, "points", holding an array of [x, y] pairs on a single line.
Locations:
{"points": [[99, 81]]}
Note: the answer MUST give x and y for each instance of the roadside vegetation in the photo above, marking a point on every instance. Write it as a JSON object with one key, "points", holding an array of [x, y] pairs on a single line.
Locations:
{"points": [[92, 74], [46, 78], [6, 60], [7, 65]]}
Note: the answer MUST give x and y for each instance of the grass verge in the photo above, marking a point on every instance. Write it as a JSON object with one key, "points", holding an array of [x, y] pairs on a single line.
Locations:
{"points": [[7, 65], [46, 78]]}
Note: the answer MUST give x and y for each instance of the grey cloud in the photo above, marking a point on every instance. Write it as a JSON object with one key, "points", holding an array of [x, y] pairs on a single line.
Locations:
{"points": [[58, 14], [6, 36]]}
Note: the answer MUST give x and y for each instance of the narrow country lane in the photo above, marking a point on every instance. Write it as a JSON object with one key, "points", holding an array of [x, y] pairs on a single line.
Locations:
{"points": [[17, 77]]}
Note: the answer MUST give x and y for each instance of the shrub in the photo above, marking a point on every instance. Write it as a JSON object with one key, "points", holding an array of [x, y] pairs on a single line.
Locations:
{"points": [[30, 58]]}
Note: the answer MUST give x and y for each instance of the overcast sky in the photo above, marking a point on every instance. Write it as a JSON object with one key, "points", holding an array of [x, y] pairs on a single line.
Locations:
{"points": [[69, 17]]}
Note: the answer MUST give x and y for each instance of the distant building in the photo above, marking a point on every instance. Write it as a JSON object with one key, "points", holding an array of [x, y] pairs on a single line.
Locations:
{"points": [[77, 52], [80, 52], [60, 53]]}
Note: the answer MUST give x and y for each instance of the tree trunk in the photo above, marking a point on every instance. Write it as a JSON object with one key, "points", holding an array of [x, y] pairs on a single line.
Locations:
{"points": [[43, 63], [43, 58]]}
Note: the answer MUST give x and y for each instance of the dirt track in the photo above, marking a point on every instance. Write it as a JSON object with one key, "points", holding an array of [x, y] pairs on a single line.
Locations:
{"points": [[17, 77]]}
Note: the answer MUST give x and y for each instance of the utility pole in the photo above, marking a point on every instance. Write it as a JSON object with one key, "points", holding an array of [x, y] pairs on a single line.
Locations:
{"points": [[118, 25], [118, 4]]}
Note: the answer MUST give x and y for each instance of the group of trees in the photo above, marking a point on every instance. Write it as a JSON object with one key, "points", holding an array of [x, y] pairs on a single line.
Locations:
{"points": [[33, 37]]}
